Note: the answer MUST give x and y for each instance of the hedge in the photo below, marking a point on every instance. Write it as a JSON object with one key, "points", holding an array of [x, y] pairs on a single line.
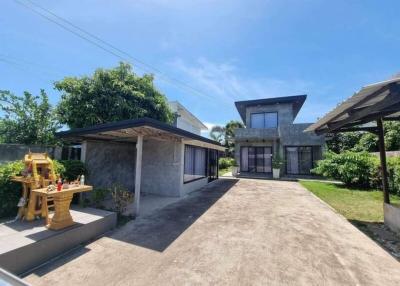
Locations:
{"points": [[359, 169], [226, 162]]}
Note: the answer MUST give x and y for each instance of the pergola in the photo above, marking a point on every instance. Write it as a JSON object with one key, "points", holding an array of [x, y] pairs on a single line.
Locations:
{"points": [[365, 111]]}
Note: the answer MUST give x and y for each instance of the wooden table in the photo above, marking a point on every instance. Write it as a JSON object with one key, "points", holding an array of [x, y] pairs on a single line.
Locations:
{"points": [[62, 200]]}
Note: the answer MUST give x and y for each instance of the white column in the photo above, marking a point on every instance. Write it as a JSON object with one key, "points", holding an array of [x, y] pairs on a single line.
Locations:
{"points": [[138, 173], [83, 151]]}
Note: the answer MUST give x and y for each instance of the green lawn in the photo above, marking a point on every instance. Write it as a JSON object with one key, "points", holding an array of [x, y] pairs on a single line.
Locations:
{"points": [[354, 204]]}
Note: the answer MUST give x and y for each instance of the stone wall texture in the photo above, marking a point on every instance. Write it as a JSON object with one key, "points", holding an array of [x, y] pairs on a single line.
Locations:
{"points": [[111, 164]]}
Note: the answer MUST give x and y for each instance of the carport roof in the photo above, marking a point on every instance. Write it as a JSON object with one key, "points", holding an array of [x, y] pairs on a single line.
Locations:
{"points": [[374, 101], [127, 131]]}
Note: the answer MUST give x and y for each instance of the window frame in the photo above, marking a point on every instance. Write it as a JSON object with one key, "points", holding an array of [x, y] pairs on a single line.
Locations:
{"points": [[194, 163], [313, 162], [264, 113]]}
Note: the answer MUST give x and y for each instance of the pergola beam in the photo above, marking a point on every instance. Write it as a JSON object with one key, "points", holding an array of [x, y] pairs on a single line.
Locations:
{"points": [[373, 111], [362, 101]]}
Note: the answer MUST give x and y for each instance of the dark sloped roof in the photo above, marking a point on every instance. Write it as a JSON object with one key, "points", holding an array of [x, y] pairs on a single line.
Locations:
{"points": [[378, 100], [133, 123], [297, 100]]}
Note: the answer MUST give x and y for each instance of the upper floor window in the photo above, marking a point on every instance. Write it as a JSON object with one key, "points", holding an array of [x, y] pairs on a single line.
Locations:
{"points": [[264, 120]]}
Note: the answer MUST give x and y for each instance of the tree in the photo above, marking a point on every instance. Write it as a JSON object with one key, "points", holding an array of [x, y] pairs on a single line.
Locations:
{"points": [[340, 142], [230, 131], [230, 136], [110, 95], [218, 133], [27, 119]]}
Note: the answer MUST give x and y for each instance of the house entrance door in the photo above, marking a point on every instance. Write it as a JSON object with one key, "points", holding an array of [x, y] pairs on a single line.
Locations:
{"points": [[256, 159]]}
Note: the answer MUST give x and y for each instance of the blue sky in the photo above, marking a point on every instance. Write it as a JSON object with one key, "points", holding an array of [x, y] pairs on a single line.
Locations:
{"points": [[230, 50]]}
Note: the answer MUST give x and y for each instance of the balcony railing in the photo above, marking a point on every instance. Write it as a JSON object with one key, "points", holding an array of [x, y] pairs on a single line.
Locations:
{"points": [[256, 133]]}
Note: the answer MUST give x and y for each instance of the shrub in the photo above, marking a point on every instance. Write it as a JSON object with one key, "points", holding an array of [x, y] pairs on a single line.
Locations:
{"points": [[72, 169], [226, 162], [121, 198], [277, 161], [98, 195], [59, 168], [394, 175], [9, 191], [352, 168]]}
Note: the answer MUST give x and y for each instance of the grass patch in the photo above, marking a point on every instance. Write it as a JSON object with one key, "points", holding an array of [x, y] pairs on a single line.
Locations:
{"points": [[354, 204], [223, 171]]}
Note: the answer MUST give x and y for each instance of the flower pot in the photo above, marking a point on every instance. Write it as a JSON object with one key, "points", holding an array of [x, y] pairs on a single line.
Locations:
{"points": [[276, 173], [235, 170]]}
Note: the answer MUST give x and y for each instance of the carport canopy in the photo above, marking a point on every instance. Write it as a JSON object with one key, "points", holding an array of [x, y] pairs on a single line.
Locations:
{"points": [[365, 111], [134, 131]]}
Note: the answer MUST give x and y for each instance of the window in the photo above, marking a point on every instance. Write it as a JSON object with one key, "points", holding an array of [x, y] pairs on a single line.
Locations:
{"points": [[195, 163], [264, 120], [72, 152], [301, 159]]}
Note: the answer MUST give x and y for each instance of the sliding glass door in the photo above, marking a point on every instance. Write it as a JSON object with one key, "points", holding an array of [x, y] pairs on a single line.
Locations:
{"points": [[299, 160], [256, 159]]}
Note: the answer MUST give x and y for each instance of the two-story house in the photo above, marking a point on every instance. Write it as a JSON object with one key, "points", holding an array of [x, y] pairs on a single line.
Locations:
{"points": [[185, 120], [269, 130]]}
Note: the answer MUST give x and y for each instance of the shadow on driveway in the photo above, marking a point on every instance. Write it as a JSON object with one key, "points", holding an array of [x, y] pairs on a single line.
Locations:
{"points": [[382, 235], [159, 230]]}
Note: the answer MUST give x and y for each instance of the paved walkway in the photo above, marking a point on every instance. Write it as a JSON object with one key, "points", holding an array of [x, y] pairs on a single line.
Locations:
{"points": [[237, 232]]}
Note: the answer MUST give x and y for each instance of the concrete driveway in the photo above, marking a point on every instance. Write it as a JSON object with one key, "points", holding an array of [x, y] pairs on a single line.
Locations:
{"points": [[236, 232]]}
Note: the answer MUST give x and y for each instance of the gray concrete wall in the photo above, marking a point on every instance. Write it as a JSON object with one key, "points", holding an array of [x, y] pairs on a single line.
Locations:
{"points": [[111, 163], [13, 152], [294, 135], [392, 217], [193, 186], [161, 167]]}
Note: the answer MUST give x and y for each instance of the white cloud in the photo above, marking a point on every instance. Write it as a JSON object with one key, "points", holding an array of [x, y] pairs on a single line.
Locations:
{"points": [[222, 81]]}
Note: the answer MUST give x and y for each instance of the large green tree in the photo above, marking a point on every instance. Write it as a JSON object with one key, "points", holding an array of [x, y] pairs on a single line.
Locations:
{"points": [[27, 119], [110, 95]]}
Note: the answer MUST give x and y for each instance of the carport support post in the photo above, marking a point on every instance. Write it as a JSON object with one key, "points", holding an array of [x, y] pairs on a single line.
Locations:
{"points": [[382, 153], [138, 173]]}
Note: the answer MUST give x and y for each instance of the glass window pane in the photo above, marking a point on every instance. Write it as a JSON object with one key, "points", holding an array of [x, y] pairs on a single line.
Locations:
{"points": [[260, 159], [195, 163], [267, 159], [292, 160], [252, 160], [271, 120], [257, 120], [244, 159], [305, 159]]}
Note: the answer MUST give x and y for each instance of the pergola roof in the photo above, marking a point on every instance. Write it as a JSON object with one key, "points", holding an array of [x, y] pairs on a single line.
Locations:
{"points": [[128, 130], [297, 100], [374, 101]]}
